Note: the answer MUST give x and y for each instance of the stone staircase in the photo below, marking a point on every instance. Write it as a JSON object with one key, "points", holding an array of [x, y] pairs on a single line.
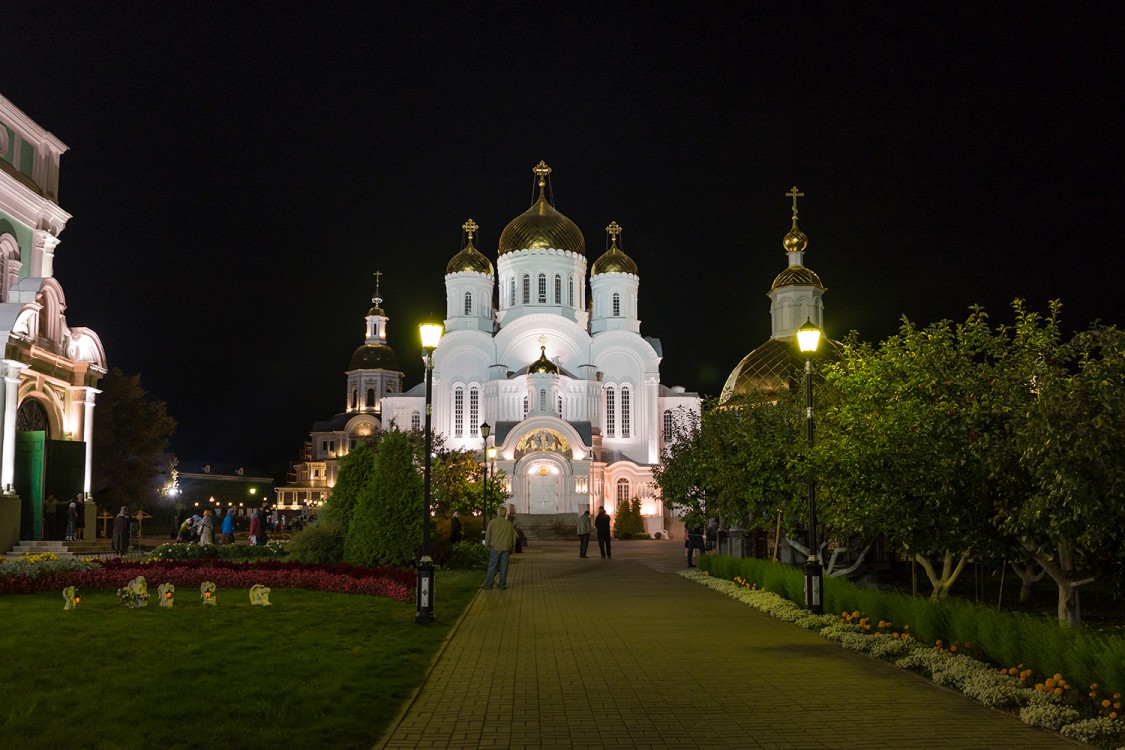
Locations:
{"points": [[99, 548], [548, 525]]}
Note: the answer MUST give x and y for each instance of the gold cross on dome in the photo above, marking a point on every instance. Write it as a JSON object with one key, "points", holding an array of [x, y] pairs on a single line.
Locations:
{"points": [[543, 341], [542, 170], [794, 195], [613, 229], [378, 277], [470, 226]]}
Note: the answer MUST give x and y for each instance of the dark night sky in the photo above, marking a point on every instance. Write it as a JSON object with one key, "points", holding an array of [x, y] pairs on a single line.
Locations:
{"points": [[236, 175]]}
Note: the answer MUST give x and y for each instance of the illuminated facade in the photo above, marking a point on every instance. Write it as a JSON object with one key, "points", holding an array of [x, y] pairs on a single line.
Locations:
{"points": [[50, 368], [564, 377], [372, 375]]}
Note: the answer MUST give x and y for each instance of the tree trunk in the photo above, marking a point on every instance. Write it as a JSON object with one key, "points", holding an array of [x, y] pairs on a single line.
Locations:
{"points": [[949, 573], [1028, 576], [1062, 573]]}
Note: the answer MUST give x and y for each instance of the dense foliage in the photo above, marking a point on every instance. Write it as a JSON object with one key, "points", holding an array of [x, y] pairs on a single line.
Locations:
{"points": [[321, 542], [131, 433], [386, 527], [628, 523]]}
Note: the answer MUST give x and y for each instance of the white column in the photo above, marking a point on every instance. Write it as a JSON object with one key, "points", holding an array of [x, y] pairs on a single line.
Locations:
{"points": [[10, 370], [88, 436]]}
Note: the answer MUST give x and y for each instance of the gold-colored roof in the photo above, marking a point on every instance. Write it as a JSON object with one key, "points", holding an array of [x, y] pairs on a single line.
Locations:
{"points": [[773, 367], [469, 259], [541, 226], [797, 276], [614, 260], [543, 366]]}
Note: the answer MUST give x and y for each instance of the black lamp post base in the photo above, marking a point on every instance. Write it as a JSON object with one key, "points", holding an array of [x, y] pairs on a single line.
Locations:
{"points": [[424, 592]]}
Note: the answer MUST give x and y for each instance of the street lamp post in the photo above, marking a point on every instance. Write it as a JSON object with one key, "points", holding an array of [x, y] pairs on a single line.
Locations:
{"points": [[424, 592], [808, 338], [485, 431]]}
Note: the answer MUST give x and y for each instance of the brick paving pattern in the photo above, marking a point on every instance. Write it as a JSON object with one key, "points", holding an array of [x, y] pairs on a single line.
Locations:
{"points": [[623, 653]]}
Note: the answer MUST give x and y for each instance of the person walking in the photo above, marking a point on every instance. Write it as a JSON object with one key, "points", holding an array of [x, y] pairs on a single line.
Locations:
{"points": [[694, 541], [228, 527], [255, 528], [80, 521], [207, 530], [605, 544], [121, 531], [71, 520], [455, 528], [584, 527], [500, 538]]}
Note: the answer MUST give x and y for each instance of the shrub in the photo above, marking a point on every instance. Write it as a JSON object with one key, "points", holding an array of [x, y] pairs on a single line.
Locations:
{"points": [[318, 543], [467, 555], [189, 551], [628, 524]]}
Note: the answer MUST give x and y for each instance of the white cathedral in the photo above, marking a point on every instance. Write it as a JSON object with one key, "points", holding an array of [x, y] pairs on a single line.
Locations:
{"points": [[569, 386], [50, 368]]}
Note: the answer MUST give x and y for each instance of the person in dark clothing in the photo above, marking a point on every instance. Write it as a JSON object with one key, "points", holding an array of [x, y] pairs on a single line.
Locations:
{"points": [[601, 523], [121, 531], [455, 528], [80, 522], [693, 542]]}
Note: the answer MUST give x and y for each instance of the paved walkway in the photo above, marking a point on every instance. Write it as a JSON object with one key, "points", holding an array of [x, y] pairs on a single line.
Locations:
{"points": [[623, 653]]}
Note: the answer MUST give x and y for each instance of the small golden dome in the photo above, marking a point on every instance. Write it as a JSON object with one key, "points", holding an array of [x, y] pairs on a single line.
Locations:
{"points": [[614, 260], [469, 259], [543, 366], [797, 276], [541, 226], [795, 241]]}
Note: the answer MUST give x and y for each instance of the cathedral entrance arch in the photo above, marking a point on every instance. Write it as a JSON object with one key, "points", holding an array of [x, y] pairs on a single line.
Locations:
{"points": [[45, 467], [543, 489]]}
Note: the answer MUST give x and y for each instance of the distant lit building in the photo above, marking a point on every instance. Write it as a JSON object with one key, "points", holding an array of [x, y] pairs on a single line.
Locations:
{"points": [[372, 375], [559, 370], [50, 368], [219, 487]]}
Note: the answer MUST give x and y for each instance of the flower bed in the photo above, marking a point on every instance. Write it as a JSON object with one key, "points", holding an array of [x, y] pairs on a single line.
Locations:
{"points": [[1052, 703], [346, 579]]}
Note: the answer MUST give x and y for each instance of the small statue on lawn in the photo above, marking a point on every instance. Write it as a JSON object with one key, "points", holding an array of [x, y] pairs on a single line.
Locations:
{"points": [[207, 594], [71, 598], [260, 595], [134, 593], [166, 591]]}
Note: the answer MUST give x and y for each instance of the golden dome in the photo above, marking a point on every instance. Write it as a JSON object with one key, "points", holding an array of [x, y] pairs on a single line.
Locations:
{"points": [[795, 241], [613, 261], [772, 368], [797, 276], [543, 366], [541, 226], [469, 259]]}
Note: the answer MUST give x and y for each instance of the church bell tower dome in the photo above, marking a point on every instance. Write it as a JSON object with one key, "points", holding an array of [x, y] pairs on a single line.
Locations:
{"points": [[469, 259], [614, 260], [541, 226]]}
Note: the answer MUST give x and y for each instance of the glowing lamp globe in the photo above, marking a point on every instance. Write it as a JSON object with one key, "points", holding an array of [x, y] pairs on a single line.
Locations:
{"points": [[808, 337]]}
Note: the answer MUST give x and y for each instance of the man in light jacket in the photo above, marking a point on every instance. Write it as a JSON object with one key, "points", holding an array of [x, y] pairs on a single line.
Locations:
{"points": [[500, 538], [584, 527]]}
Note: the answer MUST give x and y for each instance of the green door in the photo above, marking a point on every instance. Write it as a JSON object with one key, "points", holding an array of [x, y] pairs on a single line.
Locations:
{"points": [[29, 482]]}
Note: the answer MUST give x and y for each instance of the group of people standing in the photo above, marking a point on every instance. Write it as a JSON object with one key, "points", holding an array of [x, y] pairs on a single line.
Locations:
{"points": [[74, 516], [601, 524]]}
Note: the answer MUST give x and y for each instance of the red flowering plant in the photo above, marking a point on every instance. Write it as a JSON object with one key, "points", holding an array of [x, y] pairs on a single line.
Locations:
{"points": [[392, 583]]}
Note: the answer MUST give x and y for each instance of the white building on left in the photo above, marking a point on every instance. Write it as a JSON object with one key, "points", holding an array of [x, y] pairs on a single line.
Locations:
{"points": [[50, 368]]}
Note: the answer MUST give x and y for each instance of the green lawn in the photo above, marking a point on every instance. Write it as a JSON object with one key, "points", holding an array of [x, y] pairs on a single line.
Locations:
{"points": [[313, 670]]}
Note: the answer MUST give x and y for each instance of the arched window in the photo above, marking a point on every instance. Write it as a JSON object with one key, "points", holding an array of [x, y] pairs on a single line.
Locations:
{"points": [[667, 424], [542, 288], [511, 291], [542, 399], [474, 410], [610, 414], [468, 303], [370, 396], [616, 305], [625, 412], [570, 291], [415, 420], [458, 411], [622, 492], [558, 289], [525, 407], [559, 409], [526, 289], [355, 398]]}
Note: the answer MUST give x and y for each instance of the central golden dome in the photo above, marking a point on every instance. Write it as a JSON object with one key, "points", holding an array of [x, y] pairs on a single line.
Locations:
{"points": [[541, 226]]}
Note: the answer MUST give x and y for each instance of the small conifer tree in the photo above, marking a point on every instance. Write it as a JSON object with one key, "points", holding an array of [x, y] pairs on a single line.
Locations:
{"points": [[628, 524]]}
